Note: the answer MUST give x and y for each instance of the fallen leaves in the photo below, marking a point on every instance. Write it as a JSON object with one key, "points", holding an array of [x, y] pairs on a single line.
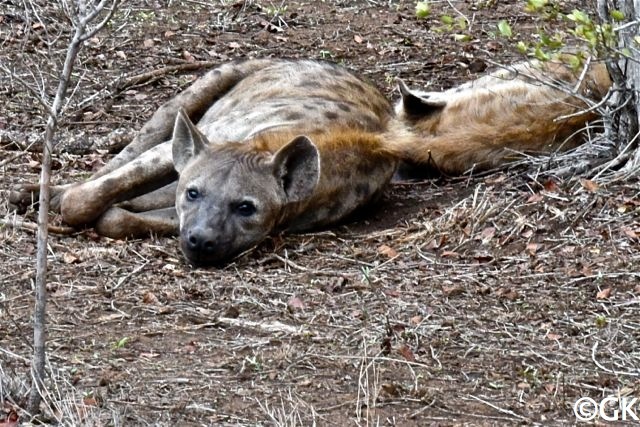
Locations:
{"points": [[603, 294], [388, 251], [407, 353], [589, 185]]}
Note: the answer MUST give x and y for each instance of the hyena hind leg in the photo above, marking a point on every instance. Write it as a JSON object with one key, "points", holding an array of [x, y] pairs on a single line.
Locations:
{"points": [[119, 223]]}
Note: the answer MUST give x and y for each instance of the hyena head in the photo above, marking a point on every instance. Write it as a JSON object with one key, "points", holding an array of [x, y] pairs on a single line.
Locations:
{"points": [[229, 196]]}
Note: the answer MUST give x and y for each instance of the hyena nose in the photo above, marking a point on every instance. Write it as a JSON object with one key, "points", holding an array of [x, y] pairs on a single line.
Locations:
{"points": [[199, 241]]}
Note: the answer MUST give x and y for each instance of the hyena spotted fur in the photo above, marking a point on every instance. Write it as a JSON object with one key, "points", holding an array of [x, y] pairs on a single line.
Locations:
{"points": [[528, 108], [283, 145]]}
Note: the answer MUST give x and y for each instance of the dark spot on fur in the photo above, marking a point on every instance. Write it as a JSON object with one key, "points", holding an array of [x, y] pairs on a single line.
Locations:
{"points": [[309, 106], [139, 170], [310, 84], [363, 190], [366, 168], [110, 183], [294, 116], [371, 124], [344, 107], [331, 115]]}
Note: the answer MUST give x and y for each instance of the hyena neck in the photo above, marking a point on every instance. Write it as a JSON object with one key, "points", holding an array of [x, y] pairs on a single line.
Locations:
{"points": [[355, 166]]}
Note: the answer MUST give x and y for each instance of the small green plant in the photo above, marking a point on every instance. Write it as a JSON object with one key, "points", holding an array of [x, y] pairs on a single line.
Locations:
{"points": [[505, 29], [275, 11], [423, 9], [120, 344], [366, 274], [253, 363], [601, 321]]}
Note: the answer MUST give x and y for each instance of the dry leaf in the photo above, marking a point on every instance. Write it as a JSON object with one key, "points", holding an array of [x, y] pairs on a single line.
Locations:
{"points": [[120, 54], [487, 234], [451, 291], [295, 303], [416, 320], [406, 352], [357, 39], [535, 198], [449, 254], [90, 401], [497, 179], [148, 43], [553, 337], [589, 185], [507, 293], [551, 186], [390, 389], [188, 56], [150, 298], [630, 233], [532, 248], [388, 251], [69, 258], [604, 293]]}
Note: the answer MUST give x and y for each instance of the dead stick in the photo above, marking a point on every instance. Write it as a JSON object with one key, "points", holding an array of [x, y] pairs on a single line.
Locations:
{"points": [[150, 75]]}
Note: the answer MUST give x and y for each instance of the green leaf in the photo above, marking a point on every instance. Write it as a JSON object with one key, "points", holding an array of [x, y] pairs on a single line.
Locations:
{"points": [[522, 47], [462, 37], [536, 5], [540, 54], [626, 52], [423, 9], [636, 39], [616, 15], [446, 19], [579, 16], [505, 29]]}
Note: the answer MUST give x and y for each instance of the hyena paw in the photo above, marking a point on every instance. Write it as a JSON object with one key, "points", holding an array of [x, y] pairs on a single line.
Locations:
{"points": [[24, 196]]}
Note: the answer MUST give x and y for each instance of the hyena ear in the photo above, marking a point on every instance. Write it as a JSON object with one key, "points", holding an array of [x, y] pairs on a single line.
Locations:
{"points": [[418, 105], [297, 166], [187, 141]]}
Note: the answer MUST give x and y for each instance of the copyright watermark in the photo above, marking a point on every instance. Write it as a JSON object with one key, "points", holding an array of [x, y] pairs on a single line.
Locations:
{"points": [[610, 408]]}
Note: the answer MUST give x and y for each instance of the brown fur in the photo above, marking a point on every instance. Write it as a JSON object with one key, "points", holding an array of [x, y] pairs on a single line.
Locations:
{"points": [[495, 119]]}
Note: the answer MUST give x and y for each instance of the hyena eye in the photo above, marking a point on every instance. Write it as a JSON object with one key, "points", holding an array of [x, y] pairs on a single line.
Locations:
{"points": [[192, 194], [246, 209]]}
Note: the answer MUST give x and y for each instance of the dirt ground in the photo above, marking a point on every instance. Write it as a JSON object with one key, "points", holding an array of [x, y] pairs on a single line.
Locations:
{"points": [[498, 299]]}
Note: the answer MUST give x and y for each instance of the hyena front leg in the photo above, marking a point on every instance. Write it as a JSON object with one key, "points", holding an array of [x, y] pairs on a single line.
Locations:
{"points": [[84, 203], [161, 198], [119, 223]]}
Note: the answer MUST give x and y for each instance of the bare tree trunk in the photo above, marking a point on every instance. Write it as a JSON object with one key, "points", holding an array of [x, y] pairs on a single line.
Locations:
{"points": [[82, 18], [623, 122]]}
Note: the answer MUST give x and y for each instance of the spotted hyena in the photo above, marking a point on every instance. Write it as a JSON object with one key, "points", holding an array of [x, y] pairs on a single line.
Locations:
{"points": [[282, 145], [278, 145]]}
